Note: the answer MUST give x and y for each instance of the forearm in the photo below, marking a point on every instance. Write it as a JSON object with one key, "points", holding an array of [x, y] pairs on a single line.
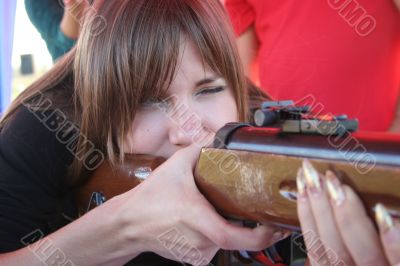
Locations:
{"points": [[396, 121], [248, 50], [96, 238], [70, 25]]}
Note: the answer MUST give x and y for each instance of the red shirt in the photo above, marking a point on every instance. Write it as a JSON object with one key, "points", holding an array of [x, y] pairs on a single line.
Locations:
{"points": [[343, 54]]}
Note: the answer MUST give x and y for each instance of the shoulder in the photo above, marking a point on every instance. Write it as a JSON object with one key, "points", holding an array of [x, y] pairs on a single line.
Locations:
{"points": [[33, 165], [30, 143], [34, 138]]}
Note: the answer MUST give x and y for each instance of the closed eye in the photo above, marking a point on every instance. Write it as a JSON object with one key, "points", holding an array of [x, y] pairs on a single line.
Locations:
{"points": [[210, 90]]}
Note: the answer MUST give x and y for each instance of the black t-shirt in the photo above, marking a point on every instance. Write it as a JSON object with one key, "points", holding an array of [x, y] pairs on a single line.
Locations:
{"points": [[34, 197], [32, 192]]}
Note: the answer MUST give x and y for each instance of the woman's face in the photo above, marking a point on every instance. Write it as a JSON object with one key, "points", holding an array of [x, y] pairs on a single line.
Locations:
{"points": [[198, 103]]}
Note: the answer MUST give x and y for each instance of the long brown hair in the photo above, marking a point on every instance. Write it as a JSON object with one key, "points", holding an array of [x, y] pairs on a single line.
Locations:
{"points": [[134, 58]]}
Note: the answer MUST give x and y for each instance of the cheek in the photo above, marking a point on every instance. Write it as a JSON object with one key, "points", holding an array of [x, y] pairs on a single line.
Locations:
{"points": [[219, 112], [147, 134]]}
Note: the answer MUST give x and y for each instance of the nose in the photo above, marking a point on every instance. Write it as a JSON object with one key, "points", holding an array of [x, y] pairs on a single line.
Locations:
{"points": [[184, 128]]}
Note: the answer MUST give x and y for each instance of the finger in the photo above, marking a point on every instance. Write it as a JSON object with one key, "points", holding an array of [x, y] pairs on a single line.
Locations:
{"points": [[181, 163], [232, 237], [335, 248], [356, 228], [315, 249], [188, 154], [389, 230]]}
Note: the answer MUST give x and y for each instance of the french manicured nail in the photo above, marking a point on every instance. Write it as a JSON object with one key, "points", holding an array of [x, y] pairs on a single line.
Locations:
{"points": [[335, 189], [312, 178], [301, 185], [383, 218]]}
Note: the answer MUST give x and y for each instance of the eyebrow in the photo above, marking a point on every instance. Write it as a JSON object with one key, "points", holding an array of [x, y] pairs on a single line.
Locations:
{"points": [[206, 81]]}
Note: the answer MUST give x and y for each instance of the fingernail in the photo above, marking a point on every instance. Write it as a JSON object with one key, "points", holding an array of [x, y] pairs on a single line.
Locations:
{"points": [[312, 178], [335, 189], [383, 218], [301, 185]]}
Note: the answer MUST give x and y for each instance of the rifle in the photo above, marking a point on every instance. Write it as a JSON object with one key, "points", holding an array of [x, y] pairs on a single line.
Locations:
{"points": [[250, 172]]}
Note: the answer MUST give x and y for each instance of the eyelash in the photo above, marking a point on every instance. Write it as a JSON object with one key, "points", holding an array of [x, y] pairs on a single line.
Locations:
{"points": [[211, 90], [207, 91]]}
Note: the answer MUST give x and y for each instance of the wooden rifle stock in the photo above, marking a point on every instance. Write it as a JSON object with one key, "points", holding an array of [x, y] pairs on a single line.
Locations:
{"points": [[254, 176], [250, 174]]}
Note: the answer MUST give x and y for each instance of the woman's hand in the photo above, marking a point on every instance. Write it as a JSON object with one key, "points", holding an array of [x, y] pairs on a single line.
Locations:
{"points": [[74, 10], [169, 216], [336, 228]]}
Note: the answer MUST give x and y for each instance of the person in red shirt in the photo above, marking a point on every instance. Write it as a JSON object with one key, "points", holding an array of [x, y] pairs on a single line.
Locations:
{"points": [[340, 56]]}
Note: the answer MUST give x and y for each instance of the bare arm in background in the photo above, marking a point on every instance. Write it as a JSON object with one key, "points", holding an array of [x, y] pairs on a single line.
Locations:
{"points": [[248, 50], [397, 2], [396, 121], [74, 11]]}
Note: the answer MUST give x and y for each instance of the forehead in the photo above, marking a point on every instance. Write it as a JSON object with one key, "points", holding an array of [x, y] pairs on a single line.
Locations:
{"points": [[190, 67]]}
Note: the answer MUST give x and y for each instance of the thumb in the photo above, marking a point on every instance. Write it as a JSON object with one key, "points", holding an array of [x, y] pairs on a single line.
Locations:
{"points": [[189, 155]]}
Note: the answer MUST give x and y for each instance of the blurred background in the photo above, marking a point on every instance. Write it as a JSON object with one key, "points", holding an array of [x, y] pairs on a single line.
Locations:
{"points": [[21, 43], [318, 54]]}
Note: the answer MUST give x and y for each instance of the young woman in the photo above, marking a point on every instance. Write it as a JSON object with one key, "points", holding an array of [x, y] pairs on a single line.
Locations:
{"points": [[117, 93], [109, 86]]}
